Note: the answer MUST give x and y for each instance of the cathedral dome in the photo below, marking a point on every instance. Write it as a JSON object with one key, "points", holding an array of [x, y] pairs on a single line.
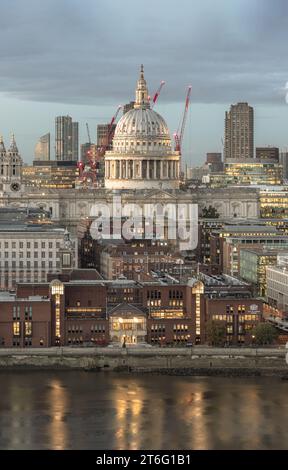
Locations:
{"points": [[144, 126], [142, 156], [141, 129]]}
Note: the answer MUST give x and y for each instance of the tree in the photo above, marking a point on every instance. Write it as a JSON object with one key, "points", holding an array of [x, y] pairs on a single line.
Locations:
{"points": [[216, 332], [264, 333], [210, 213]]}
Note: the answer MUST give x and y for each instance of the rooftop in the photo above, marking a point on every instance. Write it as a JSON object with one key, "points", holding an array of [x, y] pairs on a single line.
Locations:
{"points": [[29, 228], [221, 280], [6, 296], [264, 250]]}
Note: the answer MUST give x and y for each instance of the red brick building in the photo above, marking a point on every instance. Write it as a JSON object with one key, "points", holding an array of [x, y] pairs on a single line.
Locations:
{"points": [[25, 322], [80, 308]]}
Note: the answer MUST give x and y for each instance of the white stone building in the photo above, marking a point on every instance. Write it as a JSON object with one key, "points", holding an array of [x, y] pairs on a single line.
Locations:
{"points": [[142, 156], [277, 285], [29, 253]]}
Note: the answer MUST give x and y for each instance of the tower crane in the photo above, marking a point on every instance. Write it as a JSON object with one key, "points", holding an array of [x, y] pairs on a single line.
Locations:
{"points": [[88, 133], [90, 173], [157, 94], [178, 136], [110, 128], [80, 164]]}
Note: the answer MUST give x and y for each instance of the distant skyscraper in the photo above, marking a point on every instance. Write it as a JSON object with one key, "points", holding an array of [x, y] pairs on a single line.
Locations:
{"points": [[66, 139], [214, 162], [284, 163], [42, 148], [267, 153], [102, 134], [239, 132], [75, 141]]}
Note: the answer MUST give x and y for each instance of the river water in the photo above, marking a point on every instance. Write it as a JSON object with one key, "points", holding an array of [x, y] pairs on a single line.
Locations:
{"points": [[87, 410]]}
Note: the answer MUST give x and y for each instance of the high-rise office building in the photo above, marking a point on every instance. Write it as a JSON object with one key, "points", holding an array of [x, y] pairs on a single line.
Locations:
{"points": [[66, 139], [42, 148], [75, 141], [239, 132], [284, 163], [102, 135]]}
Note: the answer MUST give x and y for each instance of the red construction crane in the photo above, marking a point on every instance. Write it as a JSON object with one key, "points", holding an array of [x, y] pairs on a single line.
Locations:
{"points": [[110, 128], [80, 166], [91, 170], [157, 94], [178, 136]]}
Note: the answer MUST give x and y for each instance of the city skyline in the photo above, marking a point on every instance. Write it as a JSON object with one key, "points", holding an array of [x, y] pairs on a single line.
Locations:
{"points": [[143, 227], [244, 64]]}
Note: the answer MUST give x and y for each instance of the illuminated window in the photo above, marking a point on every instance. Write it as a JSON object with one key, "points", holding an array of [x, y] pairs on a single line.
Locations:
{"points": [[16, 328], [57, 287], [28, 328], [198, 289]]}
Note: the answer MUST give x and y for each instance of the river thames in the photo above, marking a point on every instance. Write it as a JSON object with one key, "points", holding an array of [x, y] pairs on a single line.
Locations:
{"points": [[80, 410]]}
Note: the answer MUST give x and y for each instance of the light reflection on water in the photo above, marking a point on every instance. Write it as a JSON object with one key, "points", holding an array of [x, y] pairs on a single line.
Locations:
{"points": [[79, 410]]}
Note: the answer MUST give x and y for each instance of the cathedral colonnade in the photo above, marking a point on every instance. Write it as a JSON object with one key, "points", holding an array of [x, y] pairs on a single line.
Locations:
{"points": [[138, 168]]}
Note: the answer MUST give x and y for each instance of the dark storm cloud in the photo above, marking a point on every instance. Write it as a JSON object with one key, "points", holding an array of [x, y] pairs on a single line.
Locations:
{"points": [[88, 51]]}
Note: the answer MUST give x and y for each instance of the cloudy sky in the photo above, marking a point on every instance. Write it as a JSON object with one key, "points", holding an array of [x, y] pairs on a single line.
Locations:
{"points": [[81, 57]]}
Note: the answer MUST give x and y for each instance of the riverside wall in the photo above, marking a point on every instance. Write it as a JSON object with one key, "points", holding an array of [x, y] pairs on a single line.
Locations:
{"points": [[174, 361]]}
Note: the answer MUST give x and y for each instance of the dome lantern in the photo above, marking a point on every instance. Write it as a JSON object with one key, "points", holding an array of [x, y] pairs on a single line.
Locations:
{"points": [[142, 99]]}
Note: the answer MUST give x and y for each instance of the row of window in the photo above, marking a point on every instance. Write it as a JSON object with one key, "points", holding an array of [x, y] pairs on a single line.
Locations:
{"points": [[27, 342], [126, 144], [175, 294], [29, 265], [28, 254], [242, 318], [15, 245], [227, 318], [78, 340], [171, 303], [240, 309], [27, 311], [157, 328], [153, 294], [241, 329], [181, 338], [94, 329], [27, 331], [176, 328], [158, 339]]}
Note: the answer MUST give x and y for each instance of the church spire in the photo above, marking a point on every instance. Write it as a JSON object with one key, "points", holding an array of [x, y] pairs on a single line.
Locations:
{"points": [[13, 146], [2, 146], [142, 100]]}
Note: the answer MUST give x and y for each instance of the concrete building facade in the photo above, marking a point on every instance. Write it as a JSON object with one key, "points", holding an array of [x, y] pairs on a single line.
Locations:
{"points": [[66, 139], [239, 132]]}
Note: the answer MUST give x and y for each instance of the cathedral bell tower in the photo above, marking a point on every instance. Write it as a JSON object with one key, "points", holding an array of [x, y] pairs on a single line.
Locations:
{"points": [[10, 167]]}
